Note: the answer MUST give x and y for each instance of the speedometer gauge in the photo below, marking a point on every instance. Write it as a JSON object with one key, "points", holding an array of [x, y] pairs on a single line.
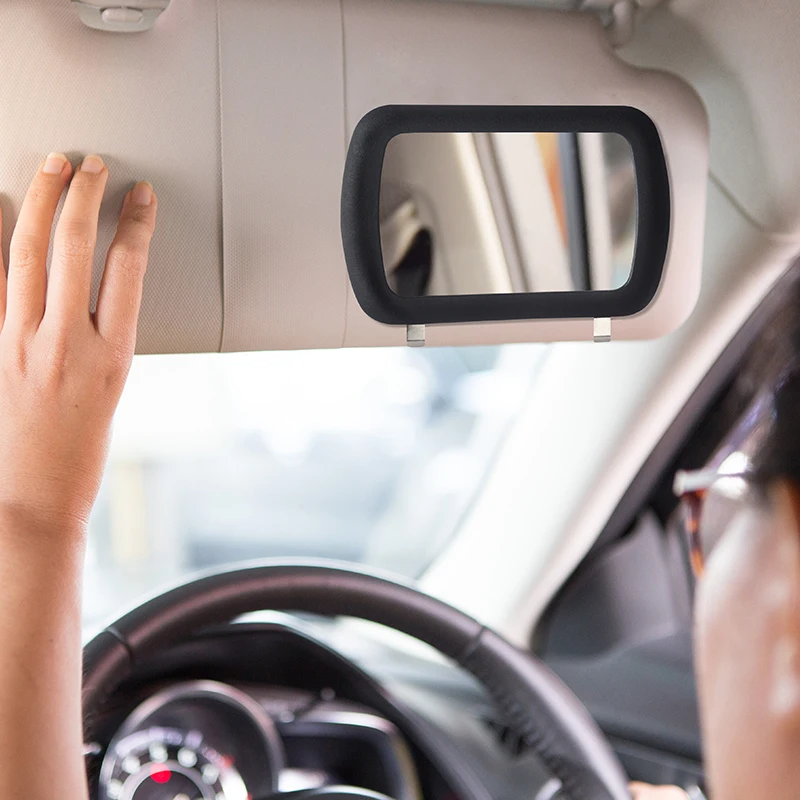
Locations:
{"points": [[199, 740], [169, 764]]}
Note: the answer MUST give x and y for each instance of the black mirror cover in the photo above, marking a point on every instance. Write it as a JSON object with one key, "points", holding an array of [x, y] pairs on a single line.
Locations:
{"points": [[360, 217]]}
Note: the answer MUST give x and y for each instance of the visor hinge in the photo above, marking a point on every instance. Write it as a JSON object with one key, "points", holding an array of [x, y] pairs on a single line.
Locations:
{"points": [[619, 16], [118, 16]]}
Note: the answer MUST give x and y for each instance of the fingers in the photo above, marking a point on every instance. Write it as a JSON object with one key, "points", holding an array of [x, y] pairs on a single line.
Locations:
{"points": [[27, 268], [68, 291], [70, 282], [121, 288]]}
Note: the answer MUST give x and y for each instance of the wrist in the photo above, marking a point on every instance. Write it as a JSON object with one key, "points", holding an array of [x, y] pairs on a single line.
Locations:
{"points": [[38, 528]]}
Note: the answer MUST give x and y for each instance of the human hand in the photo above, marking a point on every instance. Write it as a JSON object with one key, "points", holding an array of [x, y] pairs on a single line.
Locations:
{"points": [[644, 791], [62, 368]]}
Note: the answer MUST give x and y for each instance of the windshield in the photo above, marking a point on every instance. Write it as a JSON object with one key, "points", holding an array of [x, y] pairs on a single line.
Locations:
{"points": [[364, 456]]}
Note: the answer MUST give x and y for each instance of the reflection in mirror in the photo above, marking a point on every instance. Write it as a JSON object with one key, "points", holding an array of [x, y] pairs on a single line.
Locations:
{"points": [[501, 213]]}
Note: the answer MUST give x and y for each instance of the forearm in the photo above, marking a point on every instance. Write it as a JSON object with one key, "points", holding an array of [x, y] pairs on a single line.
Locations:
{"points": [[40, 660], [62, 369]]}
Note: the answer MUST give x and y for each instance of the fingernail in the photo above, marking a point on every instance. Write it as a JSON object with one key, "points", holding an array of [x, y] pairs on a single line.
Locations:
{"points": [[54, 164], [142, 194], [92, 164]]}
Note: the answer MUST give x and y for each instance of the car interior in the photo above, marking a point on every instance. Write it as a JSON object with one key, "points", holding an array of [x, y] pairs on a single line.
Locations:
{"points": [[443, 294]]}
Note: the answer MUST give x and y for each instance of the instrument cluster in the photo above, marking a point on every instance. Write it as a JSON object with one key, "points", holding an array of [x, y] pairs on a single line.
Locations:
{"points": [[207, 740]]}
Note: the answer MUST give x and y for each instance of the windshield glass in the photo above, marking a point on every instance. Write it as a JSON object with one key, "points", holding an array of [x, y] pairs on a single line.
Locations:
{"points": [[365, 456]]}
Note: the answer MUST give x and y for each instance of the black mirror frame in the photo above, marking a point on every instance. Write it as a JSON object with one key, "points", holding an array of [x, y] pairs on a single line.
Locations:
{"points": [[360, 223]]}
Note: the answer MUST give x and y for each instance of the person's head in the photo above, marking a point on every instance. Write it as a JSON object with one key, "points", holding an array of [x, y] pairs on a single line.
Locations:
{"points": [[748, 610]]}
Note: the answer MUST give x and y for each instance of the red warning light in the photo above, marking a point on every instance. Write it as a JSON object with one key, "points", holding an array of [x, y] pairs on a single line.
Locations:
{"points": [[160, 775]]}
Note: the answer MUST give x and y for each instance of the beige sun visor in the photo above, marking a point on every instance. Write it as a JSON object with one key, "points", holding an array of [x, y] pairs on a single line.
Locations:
{"points": [[240, 112]]}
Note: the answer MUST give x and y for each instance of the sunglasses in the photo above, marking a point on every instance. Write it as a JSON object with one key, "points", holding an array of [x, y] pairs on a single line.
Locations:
{"points": [[710, 501]]}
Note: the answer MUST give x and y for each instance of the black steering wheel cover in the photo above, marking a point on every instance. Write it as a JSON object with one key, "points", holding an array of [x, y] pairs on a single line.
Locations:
{"points": [[536, 702]]}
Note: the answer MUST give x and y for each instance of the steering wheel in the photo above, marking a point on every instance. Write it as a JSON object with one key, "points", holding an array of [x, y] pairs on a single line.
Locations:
{"points": [[537, 705]]}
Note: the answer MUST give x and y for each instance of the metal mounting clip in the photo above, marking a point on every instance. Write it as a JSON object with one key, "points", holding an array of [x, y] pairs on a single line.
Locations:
{"points": [[415, 335], [602, 329]]}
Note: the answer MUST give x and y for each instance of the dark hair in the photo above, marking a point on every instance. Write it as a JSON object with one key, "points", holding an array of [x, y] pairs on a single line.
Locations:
{"points": [[777, 362]]}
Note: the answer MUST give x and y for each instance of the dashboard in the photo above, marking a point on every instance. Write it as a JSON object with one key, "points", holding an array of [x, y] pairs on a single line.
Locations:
{"points": [[251, 710]]}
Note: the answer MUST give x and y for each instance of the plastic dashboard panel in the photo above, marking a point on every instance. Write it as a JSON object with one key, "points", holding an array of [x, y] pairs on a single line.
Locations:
{"points": [[644, 698], [360, 212]]}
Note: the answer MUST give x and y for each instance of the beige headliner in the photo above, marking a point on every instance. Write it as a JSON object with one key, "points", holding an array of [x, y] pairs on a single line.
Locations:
{"points": [[239, 112]]}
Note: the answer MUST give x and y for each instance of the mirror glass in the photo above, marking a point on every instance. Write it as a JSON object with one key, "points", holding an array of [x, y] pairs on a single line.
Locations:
{"points": [[503, 213]]}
